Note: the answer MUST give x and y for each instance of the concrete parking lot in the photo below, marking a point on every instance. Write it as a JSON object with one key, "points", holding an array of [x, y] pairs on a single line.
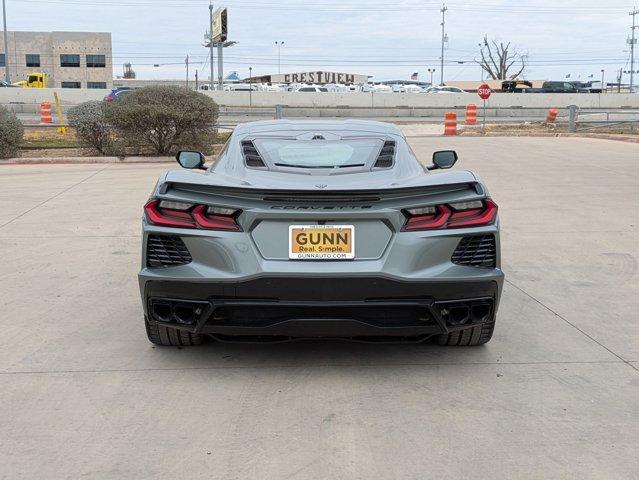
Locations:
{"points": [[554, 395]]}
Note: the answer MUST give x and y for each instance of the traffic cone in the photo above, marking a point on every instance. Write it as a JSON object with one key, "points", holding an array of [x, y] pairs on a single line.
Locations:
{"points": [[471, 114], [450, 123], [45, 113], [552, 115]]}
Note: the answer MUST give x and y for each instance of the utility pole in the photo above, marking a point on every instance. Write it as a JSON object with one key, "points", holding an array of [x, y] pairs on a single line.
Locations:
{"points": [[211, 54], [220, 66], [481, 52], [197, 86], [250, 87], [619, 80], [441, 67], [603, 88], [187, 72], [633, 40], [6, 43], [279, 52]]}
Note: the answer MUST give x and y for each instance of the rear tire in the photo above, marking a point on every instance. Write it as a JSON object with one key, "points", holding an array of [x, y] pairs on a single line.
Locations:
{"points": [[469, 337], [171, 337]]}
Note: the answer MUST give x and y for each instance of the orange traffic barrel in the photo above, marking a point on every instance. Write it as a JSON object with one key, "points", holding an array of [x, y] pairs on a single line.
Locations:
{"points": [[45, 113], [552, 115], [471, 114], [450, 123]]}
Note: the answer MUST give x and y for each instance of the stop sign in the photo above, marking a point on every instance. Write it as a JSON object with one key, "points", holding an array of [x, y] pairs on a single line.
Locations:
{"points": [[484, 91]]}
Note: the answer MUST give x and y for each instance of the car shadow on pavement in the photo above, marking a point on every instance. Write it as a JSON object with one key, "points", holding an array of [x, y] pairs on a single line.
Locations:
{"points": [[321, 352]]}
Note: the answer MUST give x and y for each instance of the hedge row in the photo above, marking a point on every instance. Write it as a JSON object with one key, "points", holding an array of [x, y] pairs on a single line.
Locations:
{"points": [[11, 131], [156, 119]]}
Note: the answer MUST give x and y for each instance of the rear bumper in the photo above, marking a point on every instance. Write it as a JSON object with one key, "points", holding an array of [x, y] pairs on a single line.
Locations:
{"points": [[352, 307]]}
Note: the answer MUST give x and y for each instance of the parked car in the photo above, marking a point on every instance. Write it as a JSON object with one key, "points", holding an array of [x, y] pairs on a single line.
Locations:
{"points": [[117, 93], [377, 88], [557, 87], [516, 86], [311, 88], [270, 87], [588, 87], [7, 84], [313, 229], [241, 87], [443, 89]]}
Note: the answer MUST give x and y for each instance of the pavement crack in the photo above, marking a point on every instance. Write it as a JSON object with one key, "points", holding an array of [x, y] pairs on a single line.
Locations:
{"points": [[568, 322], [54, 196]]}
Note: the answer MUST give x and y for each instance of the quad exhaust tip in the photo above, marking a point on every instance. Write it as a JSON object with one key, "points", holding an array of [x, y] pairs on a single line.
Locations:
{"points": [[185, 313], [465, 313]]}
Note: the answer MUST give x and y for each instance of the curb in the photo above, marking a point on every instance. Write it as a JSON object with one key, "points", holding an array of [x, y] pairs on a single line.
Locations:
{"points": [[83, 160]]}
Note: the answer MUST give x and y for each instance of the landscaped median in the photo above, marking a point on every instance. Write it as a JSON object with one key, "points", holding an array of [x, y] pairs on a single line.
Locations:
{"points": [[148, 125]]}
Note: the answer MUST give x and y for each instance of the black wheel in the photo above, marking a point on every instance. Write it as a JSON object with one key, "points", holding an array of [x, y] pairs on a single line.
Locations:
{"points": [[171, 337], [477, 335]]}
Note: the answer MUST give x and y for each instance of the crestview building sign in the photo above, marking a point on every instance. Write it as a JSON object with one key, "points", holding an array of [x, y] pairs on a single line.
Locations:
{"points": [[319, 77]]}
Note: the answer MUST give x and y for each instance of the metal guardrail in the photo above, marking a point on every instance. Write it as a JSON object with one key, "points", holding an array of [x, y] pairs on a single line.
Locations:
{"points": [[582, 120], [575, 118]]}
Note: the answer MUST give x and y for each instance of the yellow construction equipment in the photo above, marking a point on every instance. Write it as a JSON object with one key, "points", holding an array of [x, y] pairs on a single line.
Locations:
{"points": [[34, 80], [58, 108]]}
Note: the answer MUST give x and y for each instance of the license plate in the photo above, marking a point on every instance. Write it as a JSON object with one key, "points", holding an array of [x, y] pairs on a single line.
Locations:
{"points": [[321, 242]]}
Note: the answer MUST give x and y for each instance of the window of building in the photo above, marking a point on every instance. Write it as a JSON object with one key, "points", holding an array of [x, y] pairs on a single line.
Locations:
{"points": [[96, 61], [69, 60], [71, 85], [2, 60], [96, 85], [33, 60]]}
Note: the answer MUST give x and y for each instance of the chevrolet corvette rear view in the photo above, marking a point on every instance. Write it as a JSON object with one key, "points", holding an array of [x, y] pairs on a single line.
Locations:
{"points": [[320, 229]]}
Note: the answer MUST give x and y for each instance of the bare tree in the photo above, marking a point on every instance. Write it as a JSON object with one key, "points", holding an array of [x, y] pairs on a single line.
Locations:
{"points": [[497, 59]]}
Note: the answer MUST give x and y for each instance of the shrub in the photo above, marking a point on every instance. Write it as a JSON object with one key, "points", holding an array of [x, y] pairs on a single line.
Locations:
{"points": [[166, 118], [91, 126], [11, 131]]}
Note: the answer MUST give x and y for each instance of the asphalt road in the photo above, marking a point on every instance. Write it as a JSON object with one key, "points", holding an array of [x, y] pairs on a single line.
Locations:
{"points": [[554, 395]]}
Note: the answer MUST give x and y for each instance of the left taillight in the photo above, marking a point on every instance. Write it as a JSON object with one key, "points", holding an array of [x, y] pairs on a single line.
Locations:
{"points": [[166, 213], [475, 213]]}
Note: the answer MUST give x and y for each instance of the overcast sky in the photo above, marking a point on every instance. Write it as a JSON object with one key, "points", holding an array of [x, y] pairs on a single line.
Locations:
{"points": [[384, 38]]}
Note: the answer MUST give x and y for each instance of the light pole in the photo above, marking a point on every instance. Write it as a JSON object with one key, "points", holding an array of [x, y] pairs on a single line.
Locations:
{"points": [[211, 46], [250, 87], [431, 71], [603, 88], [441, 70], [481, 52], [633, 41], [279, 56], [6, 42]]}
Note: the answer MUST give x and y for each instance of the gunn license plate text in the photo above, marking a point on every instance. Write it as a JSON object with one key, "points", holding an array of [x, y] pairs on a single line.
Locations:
{"points": [[321, 242]]}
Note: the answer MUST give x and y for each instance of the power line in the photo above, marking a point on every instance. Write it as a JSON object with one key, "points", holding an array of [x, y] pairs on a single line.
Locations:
{"points": [[346, 7]]}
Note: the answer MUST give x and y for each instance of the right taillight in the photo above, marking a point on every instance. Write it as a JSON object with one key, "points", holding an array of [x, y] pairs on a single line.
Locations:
{"points": [[165, 213], [475, 213]]}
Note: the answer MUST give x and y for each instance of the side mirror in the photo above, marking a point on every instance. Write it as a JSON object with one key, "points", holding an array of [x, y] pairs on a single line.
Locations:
{"points": [[189, 159], [444, 159]]}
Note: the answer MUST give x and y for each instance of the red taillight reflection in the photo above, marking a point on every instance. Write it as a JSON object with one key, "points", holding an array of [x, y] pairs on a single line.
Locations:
{"points": [[193, 218], [446, 217]]}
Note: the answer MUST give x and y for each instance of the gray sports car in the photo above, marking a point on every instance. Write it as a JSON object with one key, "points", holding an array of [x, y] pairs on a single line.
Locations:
{"points": [[307, 229]]}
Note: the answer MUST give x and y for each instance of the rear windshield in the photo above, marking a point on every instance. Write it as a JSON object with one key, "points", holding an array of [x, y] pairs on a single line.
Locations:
{"points": [[319, 153]]}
